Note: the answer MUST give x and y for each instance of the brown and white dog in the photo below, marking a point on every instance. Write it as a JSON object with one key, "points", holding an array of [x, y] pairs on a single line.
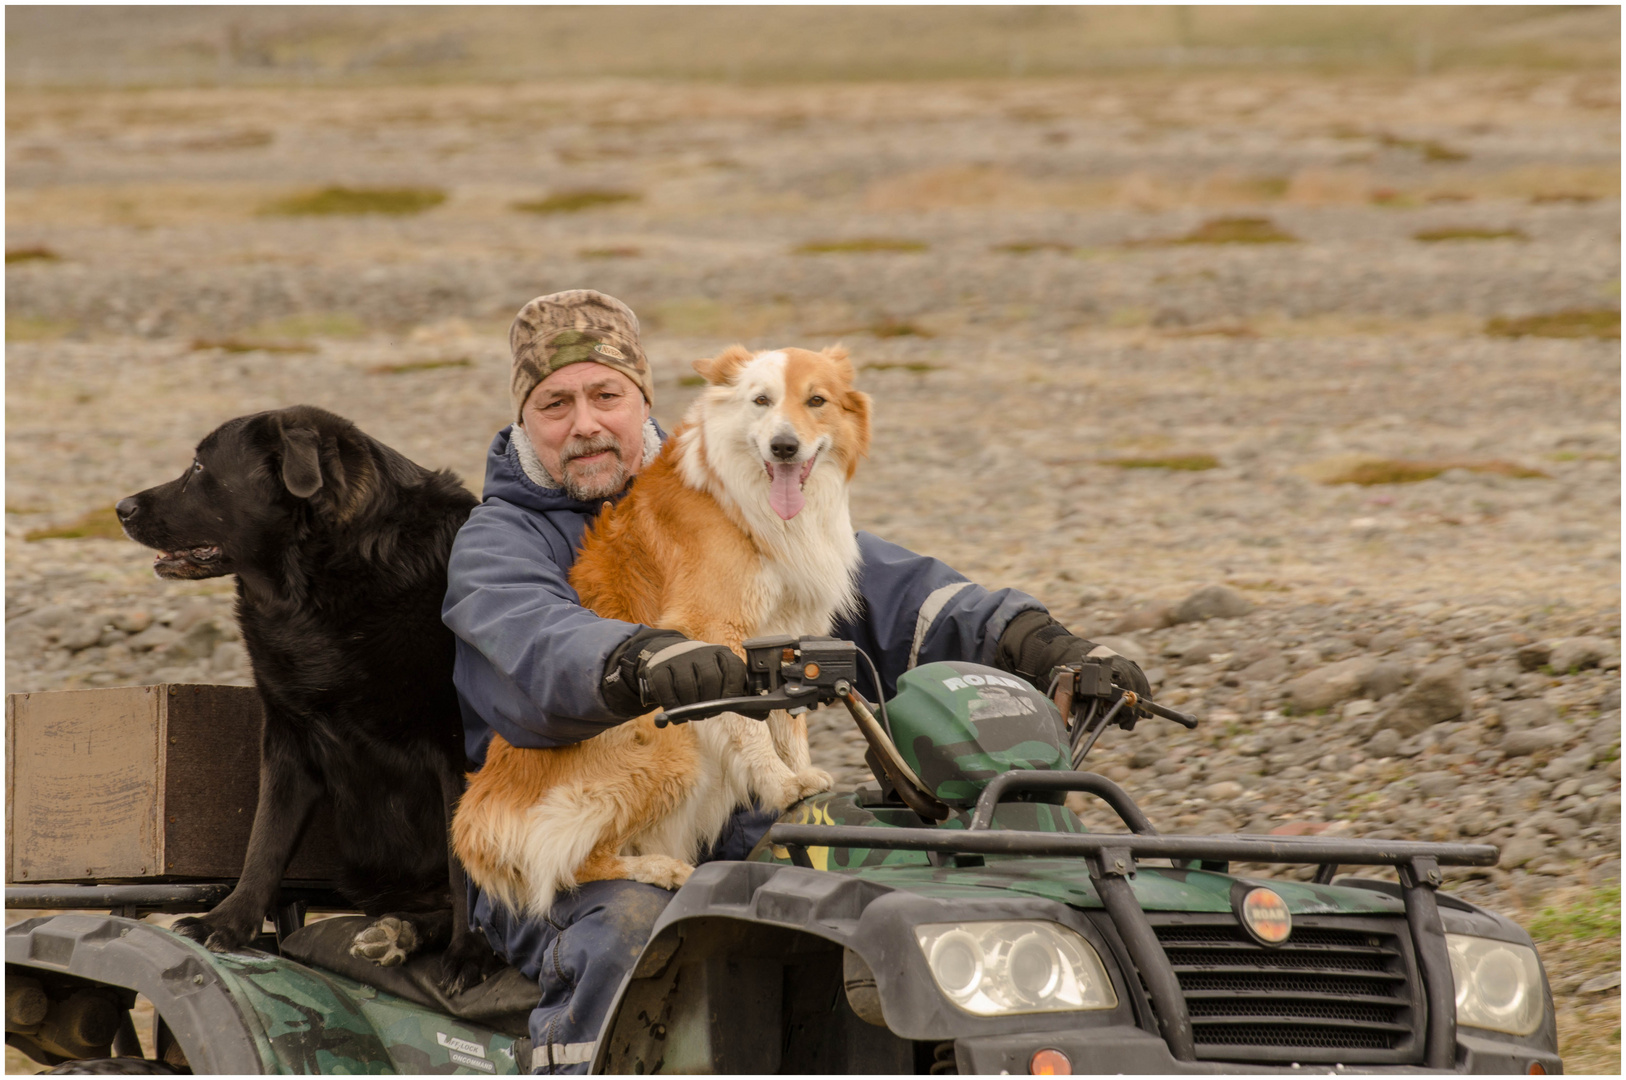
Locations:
{"points": [[739, 528]]}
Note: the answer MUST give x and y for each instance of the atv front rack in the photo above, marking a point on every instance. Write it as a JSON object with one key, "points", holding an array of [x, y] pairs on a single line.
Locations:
{"points": [[135, 901], [1111, 861]]}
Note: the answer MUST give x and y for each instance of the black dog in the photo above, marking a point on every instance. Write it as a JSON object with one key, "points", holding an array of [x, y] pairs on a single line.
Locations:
{"points": [[339, 545]]}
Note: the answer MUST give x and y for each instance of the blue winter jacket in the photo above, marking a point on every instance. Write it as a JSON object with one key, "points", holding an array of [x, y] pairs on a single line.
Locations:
{"points": [[530, 658]]}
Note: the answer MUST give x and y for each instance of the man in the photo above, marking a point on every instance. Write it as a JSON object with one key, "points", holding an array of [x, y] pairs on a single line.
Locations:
{"points": [[536, 667]]}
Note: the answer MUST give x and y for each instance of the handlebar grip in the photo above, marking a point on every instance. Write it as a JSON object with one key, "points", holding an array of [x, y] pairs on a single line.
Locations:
{"points": [[1185, 720]]}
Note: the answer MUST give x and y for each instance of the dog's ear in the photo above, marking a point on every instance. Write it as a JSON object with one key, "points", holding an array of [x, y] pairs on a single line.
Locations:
{"points": [[856, 404], [722, 368], [839, 360], [301, 460]]}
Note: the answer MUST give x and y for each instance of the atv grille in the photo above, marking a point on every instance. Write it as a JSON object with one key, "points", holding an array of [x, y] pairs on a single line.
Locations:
{"points": [[1342, 990]]}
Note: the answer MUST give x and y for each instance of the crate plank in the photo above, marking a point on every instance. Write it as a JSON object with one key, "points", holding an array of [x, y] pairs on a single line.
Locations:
{"points": [[139, 783]]}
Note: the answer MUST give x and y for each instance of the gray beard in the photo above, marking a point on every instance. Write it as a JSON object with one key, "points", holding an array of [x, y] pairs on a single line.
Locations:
{"points": [[539, 475]]}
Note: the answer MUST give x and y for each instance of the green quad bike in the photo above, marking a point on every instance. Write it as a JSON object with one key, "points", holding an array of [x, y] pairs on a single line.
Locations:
{"points": [[957, 919]]}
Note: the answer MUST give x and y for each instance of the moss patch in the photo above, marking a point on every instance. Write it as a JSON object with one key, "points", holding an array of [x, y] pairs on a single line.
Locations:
{"points": [[1237, 230], [1177, 462], [419, 365], [1435, 236], [691, 380], [861, 245], [1028, 247], [577, 200], [916, 367], [1391, 471], [248, 345], [1428, 149], [609, 253], [333, 324], [1573, 323], [37, 253], [99, 524], [351, 201], [29, 328]]}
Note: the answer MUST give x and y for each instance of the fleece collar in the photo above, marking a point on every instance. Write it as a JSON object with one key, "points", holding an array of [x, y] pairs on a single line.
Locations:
{"points": [[538, 475]]}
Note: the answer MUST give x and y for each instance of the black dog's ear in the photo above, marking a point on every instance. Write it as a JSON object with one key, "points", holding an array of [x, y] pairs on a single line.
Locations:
{"points": [[301, 461]]}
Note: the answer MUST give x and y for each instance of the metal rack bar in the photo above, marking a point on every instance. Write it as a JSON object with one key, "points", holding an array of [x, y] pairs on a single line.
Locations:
{"points": [[1275, 849], [1058, 780], [183, 897]]}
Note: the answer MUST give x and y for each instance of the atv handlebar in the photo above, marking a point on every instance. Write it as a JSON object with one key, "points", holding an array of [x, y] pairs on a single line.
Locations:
{"points": [[782, 673]]}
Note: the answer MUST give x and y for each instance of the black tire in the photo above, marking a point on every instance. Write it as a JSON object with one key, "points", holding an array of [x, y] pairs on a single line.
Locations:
{"points": [[118, 1066]]}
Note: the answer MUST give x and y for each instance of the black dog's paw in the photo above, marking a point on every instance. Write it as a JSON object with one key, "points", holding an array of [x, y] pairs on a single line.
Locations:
{"points": [[467, 962], [214, 935], [387, 942]]}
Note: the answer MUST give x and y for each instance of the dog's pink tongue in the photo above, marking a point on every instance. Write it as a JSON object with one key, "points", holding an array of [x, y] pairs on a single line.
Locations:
{"points": [[785, 490]]}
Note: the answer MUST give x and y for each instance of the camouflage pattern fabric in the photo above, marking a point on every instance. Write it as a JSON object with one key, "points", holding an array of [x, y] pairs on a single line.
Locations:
{"points": [[573, 327], [315, 1021]]}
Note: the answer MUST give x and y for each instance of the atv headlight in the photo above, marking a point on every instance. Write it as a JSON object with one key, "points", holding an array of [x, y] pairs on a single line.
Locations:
{"points": [[1003, 968], [1498, 984]]}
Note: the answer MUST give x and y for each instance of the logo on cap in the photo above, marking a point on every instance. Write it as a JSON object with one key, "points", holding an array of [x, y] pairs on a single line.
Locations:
{"points": [[610, 351], [1266, 916]]}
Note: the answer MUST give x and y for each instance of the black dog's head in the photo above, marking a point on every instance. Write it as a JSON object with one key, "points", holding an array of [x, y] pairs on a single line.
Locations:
{"points": [[255, 488]]}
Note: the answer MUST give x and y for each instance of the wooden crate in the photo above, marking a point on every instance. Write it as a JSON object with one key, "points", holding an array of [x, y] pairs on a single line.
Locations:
{"points": [[139, 783]]}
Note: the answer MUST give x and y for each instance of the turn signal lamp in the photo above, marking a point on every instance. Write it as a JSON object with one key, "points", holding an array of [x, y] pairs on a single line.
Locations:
{"points": [[1049, 1063]]}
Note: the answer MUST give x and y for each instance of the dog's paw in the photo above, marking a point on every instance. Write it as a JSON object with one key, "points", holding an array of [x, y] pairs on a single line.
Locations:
{"points": [[387, 942], [213, 935], [467, 962], [812, 782], [661, 870]]}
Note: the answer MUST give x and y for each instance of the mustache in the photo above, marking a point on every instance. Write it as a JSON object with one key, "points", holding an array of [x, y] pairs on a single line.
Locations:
{"points": [[577, 448]]}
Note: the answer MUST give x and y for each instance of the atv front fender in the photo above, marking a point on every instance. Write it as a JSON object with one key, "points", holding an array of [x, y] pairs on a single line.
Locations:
{"points": [[178, 976]]}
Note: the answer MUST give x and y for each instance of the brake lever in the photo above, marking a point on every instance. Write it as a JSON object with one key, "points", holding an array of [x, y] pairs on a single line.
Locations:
{"points": [[756, 706]]}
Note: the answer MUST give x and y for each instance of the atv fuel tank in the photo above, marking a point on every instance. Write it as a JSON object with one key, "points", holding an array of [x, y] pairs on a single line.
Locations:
{"points": [[959, 725]]}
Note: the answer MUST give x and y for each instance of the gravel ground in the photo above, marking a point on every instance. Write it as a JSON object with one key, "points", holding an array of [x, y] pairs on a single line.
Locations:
{"points": [[1436, 659]]}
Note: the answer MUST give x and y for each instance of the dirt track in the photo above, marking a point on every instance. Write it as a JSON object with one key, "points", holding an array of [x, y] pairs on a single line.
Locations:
{"points": [[1044, 328]]}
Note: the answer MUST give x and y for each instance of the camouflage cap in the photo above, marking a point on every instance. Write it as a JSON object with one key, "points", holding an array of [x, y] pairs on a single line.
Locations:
{"points": [[572, 327]]}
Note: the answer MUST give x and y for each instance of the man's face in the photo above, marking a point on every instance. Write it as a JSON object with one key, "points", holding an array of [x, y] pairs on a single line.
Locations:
{"points": [[586, 423]]}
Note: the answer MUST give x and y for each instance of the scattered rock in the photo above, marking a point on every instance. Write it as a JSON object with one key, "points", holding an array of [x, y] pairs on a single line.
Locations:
{"points": [[1327, 686], [1531, 740], [1520, 850], [1439, 694], [156, 636], [1533, 655], [229, 656], [1150, 617], [1211, 602], [1573, 654], [198, 643], [1146, 757], [1129, 647], [82, 633], [1386, 677], [1267, 670], [1384, 743], [1434, 785], [1528, 713], [1604, 732], [1223, 791], [1601, 983], [131, 620]]}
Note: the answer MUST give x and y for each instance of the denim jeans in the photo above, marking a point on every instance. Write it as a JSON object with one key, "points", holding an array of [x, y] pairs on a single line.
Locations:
{"points": [[581, 951]]}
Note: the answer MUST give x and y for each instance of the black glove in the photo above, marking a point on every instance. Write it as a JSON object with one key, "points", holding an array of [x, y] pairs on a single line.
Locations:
{"points": [[663, 668], [1034, 645]]}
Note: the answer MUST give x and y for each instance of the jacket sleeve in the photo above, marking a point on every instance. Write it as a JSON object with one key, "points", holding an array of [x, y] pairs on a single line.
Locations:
{"points": [[917, 610], [529, 657]]}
